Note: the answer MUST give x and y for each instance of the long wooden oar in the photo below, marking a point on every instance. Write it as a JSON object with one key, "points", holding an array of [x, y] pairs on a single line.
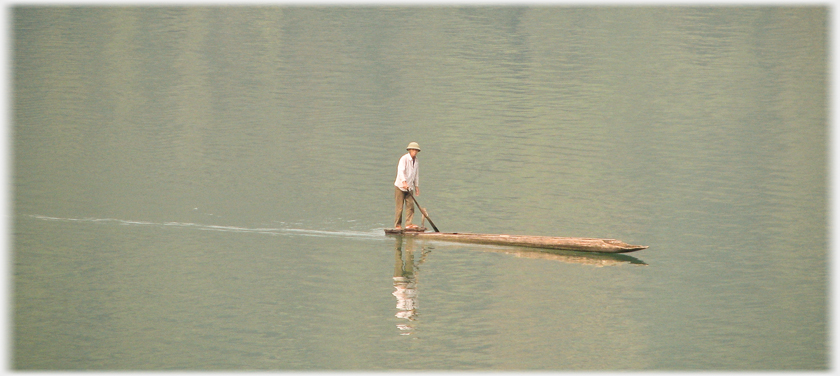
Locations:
{"points": [[423, 211]]}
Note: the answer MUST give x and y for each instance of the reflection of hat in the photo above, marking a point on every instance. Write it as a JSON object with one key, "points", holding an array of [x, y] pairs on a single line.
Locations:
{"points": [[413, 145]]}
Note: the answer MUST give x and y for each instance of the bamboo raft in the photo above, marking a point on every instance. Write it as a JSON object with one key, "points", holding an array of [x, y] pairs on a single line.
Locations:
{"points": [[561, 243]]}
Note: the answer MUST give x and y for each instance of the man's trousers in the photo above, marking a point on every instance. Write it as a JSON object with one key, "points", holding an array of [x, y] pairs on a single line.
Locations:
{"points": [[401, 199]]}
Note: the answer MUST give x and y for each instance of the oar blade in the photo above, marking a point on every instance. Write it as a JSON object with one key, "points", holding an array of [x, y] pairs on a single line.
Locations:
{"points": [[425, 214]]}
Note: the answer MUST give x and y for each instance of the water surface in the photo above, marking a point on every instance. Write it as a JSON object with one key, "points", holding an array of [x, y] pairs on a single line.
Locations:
{"points": [[205, 188]]}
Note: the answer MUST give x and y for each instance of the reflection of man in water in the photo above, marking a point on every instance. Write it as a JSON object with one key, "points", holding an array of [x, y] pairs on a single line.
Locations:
{"points": [[405, 284]]}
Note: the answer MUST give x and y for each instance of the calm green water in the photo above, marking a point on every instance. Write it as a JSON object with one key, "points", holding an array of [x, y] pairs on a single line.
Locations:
{"points": [[206, 188]]}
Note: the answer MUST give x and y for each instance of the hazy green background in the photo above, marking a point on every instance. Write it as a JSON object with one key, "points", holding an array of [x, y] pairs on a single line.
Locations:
{"points": [[205, 187]]}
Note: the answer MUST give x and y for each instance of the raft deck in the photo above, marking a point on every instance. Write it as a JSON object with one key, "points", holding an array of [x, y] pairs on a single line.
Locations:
{"points": [[562, 243]]}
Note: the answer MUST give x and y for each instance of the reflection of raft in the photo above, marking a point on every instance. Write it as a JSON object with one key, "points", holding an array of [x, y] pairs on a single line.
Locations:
{"points": [[570, 257], [569, 244]]}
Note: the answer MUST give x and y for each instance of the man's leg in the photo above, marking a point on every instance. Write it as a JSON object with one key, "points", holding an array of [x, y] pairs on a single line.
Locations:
{"points": [[409, 205], [399, 200]]}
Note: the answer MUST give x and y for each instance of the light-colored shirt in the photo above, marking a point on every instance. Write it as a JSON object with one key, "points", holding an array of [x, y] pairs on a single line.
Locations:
{"points": [[408, 170]]}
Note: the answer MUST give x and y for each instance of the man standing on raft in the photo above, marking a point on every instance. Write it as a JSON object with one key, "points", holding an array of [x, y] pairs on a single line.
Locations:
{"points": [[408, 180]]}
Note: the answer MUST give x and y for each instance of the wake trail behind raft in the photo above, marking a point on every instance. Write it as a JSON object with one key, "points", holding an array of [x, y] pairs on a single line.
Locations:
{"points": [[375, 233]]}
